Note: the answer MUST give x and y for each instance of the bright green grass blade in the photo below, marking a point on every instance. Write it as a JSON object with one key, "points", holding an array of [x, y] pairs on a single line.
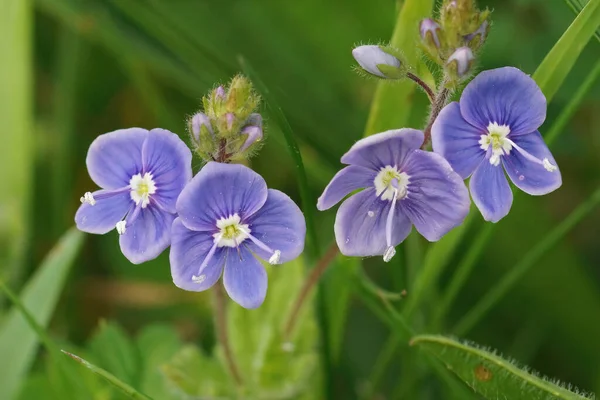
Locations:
{"points": [[18, 341], [308, 202], [490, 375], [391, 105], [125, 388], [577, 6], [559, 61], [16, 154], [527, 262], [568, 112]]}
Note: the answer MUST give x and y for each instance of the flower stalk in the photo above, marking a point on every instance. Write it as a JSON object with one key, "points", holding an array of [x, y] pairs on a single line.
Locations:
{"points": [[223, 336]]}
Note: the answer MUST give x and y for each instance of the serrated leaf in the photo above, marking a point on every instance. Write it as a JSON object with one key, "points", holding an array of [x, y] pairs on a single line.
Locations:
{"points": [[18, 341], [559, 61], [491, 375]]}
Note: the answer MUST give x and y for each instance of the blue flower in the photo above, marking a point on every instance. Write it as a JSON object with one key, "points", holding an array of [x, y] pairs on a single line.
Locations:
{"points": [[141, 174], [492, 129], [228, 218], [404, 186]]}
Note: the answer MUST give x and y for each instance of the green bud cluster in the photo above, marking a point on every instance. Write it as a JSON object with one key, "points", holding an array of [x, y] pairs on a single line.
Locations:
{"points": [[229, 129], [454, 39]]}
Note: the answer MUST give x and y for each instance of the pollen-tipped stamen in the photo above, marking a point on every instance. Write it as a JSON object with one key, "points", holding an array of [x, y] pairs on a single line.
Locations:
{"points": [[275, 254], [201, 277], [548, 166], [390, 251]]}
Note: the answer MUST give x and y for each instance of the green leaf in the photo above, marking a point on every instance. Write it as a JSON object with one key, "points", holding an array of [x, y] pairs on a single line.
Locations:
{"points": [[157, 345], [559, 61], [17, 154], [577, 6], [112, 349], [18, 341], [392, 103], [116, 382], [491, 375]]}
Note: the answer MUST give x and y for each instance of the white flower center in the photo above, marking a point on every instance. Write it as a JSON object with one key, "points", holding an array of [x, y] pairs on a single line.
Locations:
{"points": [[390, 181], [231, 231], [497, 138], [141, 188]]}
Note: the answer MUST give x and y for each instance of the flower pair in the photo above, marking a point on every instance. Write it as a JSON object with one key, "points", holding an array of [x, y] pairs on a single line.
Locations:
{"points": [[216, 223], [492, 129]]}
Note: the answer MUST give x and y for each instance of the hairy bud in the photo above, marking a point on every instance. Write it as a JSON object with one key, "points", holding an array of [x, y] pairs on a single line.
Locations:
{"points": [[460, 62], [380, 61]]}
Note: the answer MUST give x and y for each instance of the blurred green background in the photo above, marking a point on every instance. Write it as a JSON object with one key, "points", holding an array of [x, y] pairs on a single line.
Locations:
{"points": [[97, 66]]}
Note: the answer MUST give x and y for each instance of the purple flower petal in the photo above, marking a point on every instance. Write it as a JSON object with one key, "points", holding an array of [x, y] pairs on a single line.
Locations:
{"points": [[169, 160], [387, 148], [361, 221], [188, 251], [114, 157], [437, 199], [147, 236], [245, 278], [506, 96], [280, 225], [102, 217], [527, 175], [219, 191], [490, 191], [457, 140], [343, 183]]}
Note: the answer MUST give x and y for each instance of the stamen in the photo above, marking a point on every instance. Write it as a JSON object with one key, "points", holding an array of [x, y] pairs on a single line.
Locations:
{"points": [[121, 227], [201, 277], [88, 198], [390, 251], [275, 254], [545, 162]]}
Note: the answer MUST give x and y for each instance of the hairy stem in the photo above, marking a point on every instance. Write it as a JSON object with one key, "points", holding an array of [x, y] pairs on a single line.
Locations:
{"points": [[309, 284], [436, 107], [423, 85], [223, 337]]}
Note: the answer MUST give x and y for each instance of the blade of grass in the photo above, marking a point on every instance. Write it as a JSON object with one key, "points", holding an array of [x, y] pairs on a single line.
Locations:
{"points": [[113, 380], [17, 341], [558, 62], [568, 112], [577, 6], [472, 317], [16, 157]]}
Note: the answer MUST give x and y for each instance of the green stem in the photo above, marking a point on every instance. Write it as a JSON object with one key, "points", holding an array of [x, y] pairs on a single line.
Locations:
{"points": [[527, 262]]}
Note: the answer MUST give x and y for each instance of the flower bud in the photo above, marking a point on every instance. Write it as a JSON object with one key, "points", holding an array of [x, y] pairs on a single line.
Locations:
{"points": [[230, 119], [220, 93], [460, 62], [379, 62], [430, 32], [196, 123], [253, 130], [476, 39]]}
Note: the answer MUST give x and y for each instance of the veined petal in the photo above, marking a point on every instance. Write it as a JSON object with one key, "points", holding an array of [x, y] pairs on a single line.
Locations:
{"points": [[382, 149], [506, 96], [343, 183], [245, 278], [110, 208], [219, 191], [280, 225], [147, 236], [114, 157], [169, 161], [490, 191], [527, 175], [457, 140], [361, 221], [437, 199], [188, 251]]}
